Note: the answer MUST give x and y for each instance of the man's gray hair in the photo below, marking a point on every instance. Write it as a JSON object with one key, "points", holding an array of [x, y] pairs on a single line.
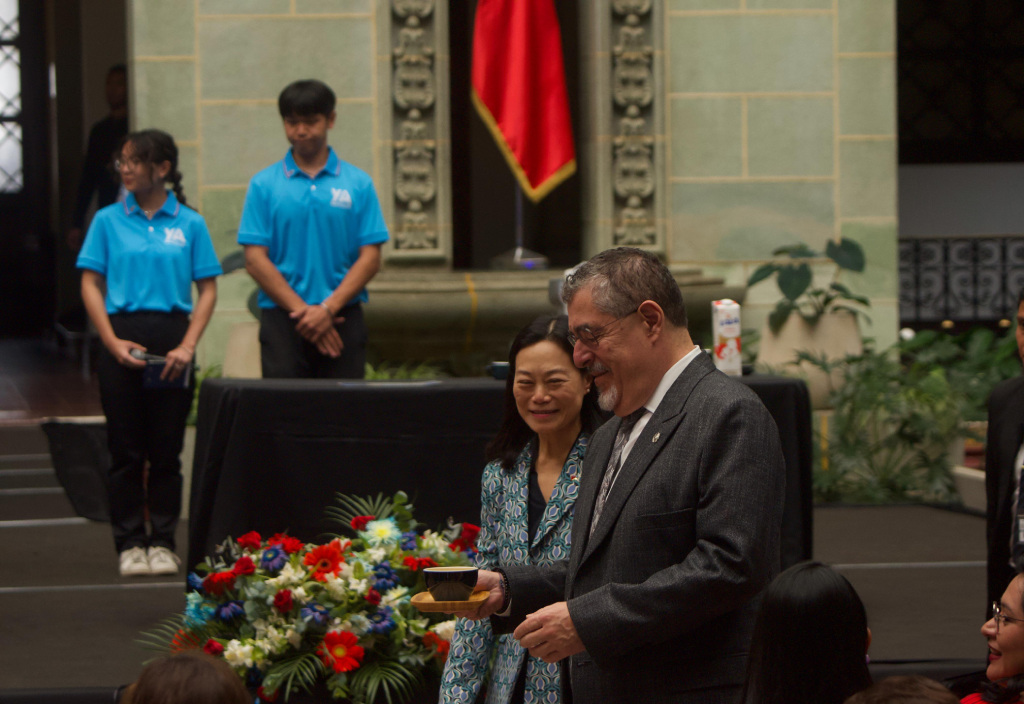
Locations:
{"points": [[622, 278]]}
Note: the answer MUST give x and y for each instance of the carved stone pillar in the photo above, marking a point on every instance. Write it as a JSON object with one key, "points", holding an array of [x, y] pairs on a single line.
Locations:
{"points": [[416, 119], [623, 124]]}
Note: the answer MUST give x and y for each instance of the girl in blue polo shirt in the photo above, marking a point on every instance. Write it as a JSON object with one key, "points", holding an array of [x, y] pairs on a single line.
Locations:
{"points": [[138, 262]]}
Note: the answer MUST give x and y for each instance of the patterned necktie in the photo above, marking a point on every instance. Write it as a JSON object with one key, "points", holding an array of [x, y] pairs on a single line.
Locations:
{"points": [[1018, 528], [614, 462]]}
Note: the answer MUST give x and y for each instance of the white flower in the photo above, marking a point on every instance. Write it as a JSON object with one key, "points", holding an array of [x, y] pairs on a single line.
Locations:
{"points": [[383, 532], [394, 597], [293, 636], [299, 594], [287, 577], [445, 630], [359, 586], [346, 570], [335, 587], [375, 555], [238, 655]]}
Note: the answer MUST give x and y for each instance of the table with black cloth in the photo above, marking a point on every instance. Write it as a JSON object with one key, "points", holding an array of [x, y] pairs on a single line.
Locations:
{"points": [[271, 454]]}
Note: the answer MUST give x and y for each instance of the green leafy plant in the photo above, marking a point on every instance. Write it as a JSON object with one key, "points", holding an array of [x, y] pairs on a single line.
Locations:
{"points": [[889, 436], [975, 362], [794, 277], [405, 371]]}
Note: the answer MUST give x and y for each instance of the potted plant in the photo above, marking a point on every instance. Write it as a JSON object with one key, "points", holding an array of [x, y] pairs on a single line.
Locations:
{"points": [[820, 320]]}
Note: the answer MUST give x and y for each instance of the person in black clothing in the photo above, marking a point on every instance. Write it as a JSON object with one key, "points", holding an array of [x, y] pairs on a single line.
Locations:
{"points": [[98, 173]]}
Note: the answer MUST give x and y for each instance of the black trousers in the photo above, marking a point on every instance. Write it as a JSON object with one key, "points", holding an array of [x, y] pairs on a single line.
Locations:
{"points": [[285, 354], [144, 426]]}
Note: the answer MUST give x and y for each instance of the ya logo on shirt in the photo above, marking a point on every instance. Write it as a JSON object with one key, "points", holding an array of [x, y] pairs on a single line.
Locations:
{"points": [[174, 235], [340, 198]]}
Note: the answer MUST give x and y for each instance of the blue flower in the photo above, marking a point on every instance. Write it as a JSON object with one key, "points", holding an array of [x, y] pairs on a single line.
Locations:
{"points": [[253, 677], [195, 582], [381, 621], [273, 559], [229, 610], [409, 540], [197, 611], [316, 613], [384, 577]]}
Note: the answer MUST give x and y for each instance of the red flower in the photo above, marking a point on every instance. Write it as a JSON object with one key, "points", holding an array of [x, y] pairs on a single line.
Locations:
{"points": [[219, 582], [359, 522], [213, 647], [266, 696], [373, 596], [184, 640], [467, 539], [432, 640], [283, 601], [244, 566], [325, 560], [249, 541], [289, 544], [340, 652], [418, 563]]}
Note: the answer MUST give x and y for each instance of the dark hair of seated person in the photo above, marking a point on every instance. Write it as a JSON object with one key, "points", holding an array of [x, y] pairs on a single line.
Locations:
{"points": [[810, 640], [905, 689], [190, 677], [514, 433]]}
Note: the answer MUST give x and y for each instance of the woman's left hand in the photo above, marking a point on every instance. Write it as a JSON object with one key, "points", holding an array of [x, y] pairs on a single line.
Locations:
{"points": [[178, 360]]}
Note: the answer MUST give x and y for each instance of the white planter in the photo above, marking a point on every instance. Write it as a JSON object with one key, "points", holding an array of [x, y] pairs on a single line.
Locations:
{"points": [[835, 336]]}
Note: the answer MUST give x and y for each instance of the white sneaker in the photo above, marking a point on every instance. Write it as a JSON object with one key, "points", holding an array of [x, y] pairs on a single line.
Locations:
{"points": [[133, 562], [163, 561]]}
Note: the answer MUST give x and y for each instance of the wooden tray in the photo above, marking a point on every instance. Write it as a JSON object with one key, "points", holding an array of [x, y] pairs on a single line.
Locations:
{"points": [[425, 602]]}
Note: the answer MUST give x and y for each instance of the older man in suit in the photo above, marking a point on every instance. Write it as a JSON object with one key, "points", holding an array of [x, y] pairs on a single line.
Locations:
{"points": [[1004, 454], [676, 530]]}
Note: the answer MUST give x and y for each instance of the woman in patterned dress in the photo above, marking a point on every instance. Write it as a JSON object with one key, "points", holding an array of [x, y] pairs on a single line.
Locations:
{"points": [[528, 491]]}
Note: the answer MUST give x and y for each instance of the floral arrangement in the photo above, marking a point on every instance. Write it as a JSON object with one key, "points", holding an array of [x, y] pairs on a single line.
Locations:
{"points": [[287, 614]]}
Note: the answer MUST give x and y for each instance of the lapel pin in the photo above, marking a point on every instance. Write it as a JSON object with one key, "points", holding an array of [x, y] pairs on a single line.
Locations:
{"points": [[655, 438]]}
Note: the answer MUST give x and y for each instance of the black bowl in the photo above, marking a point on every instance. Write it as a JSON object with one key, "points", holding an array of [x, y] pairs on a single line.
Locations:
{"points": [[450, 583]]}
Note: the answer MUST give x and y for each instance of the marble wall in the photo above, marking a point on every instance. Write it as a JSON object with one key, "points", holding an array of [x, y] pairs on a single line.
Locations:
{"points": [[769, 121]]}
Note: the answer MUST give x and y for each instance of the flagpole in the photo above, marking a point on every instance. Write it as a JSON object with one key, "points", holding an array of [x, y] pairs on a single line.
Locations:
{"points": [[520, 257]]}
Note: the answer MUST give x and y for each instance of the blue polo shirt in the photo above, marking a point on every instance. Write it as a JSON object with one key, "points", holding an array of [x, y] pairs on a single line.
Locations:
{"points": [[312, 227], [149, 264]]}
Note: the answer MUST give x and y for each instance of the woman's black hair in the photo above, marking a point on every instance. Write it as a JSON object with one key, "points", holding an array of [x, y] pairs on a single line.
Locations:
{"points": [[306, 98], [809, 640], [514, 432], [155, 147], [1009, 689]]}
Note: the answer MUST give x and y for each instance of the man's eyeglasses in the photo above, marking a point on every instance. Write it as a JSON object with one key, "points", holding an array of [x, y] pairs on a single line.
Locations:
{"points": [[1000, 618], [591, 336]]}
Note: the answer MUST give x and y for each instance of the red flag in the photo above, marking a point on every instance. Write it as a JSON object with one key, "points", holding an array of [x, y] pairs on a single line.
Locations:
{"points": [[519, 90]]}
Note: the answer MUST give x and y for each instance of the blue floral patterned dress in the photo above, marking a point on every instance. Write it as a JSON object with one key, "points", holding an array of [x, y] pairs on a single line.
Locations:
{"points": [[504, 540]]}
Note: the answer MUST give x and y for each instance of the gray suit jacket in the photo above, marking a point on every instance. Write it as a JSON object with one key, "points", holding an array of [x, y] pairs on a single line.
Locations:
{"points": [[663, 595]]}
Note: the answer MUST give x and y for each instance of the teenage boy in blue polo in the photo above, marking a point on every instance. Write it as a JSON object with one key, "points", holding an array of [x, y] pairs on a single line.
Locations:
{"points": [[312, 230]]}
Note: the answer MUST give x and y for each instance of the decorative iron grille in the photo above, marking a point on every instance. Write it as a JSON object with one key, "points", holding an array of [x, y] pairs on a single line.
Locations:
{"points": [[11, 176], [973, 280], [961, 80]]}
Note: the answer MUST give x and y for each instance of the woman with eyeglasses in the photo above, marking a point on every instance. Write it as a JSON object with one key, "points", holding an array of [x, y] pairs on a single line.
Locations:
{"points": [[138, 263], [810, 640], [1005, 635], [528, 492]]}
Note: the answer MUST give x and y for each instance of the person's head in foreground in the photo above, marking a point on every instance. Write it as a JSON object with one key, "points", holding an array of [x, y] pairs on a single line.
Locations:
{"points": [[191, 677], [545, 393], [628, 324], [810, 640], [1005, 635], [905, 689]]}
